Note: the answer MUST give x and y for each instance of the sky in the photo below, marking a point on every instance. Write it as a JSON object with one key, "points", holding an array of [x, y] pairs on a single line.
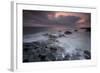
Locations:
{"points": [[56, 20]]}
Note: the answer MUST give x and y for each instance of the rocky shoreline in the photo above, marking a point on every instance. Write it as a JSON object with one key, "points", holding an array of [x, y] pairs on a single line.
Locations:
{"points": [[44, 51]]}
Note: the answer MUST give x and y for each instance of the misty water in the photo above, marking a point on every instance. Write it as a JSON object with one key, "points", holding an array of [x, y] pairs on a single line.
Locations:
{"points": [[74, 46]]}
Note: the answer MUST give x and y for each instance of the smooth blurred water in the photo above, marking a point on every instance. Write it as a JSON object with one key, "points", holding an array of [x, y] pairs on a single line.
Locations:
{"points": [[74, 40], [75, 43]]}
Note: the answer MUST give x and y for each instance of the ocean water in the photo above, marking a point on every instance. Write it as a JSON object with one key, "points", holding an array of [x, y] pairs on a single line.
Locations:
{"points": [[75, 46]]}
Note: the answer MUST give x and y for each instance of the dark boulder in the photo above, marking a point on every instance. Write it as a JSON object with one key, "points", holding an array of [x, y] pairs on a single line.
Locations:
{"points": [[25, 60], [87, 29], [67, 32], [76, 30], [42, 57], [27, 44], [67, 57], [61, 35], [53, 49], [87, 54], [51, 57]]}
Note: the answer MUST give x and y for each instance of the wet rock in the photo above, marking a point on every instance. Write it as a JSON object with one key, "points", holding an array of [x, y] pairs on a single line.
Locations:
{"points": [[49, 51], [25, 60], [51, 57], [27, 44], [76, 30], [59, 57], [35, 44], [87, 54], [44, 51], [75, 56], [26, 49], [42, 57], [53, 49], [67, 57], [34, 59], [87, 29], [61, 35], [67, 32], [46, 34]]}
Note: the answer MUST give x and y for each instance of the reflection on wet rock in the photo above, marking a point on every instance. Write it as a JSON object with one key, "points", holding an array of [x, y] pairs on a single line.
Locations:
{"points": [[42, 51]]}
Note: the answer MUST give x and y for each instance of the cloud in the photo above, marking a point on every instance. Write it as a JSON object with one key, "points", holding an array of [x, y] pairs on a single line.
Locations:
{"points": [[67, 20], [55, 19]]}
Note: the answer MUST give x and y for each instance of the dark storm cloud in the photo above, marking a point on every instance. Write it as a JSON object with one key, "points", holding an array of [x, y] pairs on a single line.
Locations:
{"points": [[41, 18], [67, 20], [31, 18], [53, 19]]}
